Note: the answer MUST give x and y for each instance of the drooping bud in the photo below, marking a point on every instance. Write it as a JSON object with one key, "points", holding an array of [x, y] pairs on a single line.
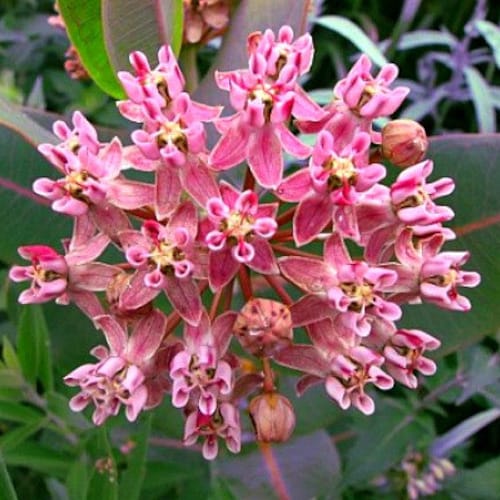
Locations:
{"points": [[264, 327], [273, 417], [404, 142]]}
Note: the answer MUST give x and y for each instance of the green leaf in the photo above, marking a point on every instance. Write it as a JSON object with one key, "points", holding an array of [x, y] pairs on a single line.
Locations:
{"points": [[472, 161], [383, 440], [18, 412], [85, 30], [77, 481], [9, 355], [442, 446], [422, 38], [481, 98], [34, 347], [131, 25], [103, 482], [481, 483], [39, 458], [6, 486], [355, 35], [10, 379], [12, 439], [491, 33], [132, 478]]}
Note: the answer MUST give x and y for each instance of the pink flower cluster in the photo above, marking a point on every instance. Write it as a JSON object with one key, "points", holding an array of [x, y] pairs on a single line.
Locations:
{"points": [[194, 238]]}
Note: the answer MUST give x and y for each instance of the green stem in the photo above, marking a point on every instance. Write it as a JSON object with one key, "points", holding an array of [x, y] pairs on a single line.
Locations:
{"points": [[187, 60]]}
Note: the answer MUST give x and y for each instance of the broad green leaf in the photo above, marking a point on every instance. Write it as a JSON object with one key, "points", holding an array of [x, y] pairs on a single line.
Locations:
{"points": [[85, 30], [491, 33], [472, 161], [249, 16], [383, 439], [480, 483], [39, 458], [442, 446], [131, 25], [6, 486], [132, 478], [355, 35], [481, 97], [33, 347], [309, 467], [25, 217]]}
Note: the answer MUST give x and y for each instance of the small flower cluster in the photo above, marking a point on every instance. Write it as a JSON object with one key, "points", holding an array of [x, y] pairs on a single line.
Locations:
{"points": [[183, 233]]}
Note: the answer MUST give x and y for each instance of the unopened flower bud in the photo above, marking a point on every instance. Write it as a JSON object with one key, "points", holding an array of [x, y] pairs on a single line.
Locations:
{"points": [[273, 417], [264, 327], [404, 142]]}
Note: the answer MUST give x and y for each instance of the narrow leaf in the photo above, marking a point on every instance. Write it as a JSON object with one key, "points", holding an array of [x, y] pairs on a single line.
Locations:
{"points": [[422, 38], [12, 439], [18, 412], [85, 30], [103, 483], [6, 486], [355, 35], [491, 33], [442, 446], [9, 355], [481, 98], [132, 478], [34, 347], [77, 481]]}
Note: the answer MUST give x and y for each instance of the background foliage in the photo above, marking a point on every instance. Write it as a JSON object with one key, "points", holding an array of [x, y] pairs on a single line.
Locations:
{"points": [[450, 58]]}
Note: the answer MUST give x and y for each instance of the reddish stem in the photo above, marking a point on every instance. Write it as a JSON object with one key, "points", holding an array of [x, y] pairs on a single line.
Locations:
{"points": [[286, 216], [283, 235], [215, 304], [274, 471], [293, 251], [249, 182], [245, 282], [279, 289], [227, 296], [268, 375]]}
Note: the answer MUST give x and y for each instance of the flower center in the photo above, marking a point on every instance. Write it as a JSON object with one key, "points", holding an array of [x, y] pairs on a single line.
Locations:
{"points": [[172, 133], [75, 182], [361, 295], [264, 95], [341, 172], [164, 254], [237, 225]]}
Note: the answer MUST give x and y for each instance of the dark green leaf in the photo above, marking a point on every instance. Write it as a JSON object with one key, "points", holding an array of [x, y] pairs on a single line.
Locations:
{"points": [[132, 478], [6, 486], [131, 25], [18, 412], [77, 481], [103, 481], [85, 30], [9, 355], [383, 440], [481, 483], [12, 439], [40, 458], [34, 348]]}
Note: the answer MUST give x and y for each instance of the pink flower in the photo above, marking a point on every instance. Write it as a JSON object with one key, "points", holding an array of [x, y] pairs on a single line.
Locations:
{"points": [[404, 354], [350, 374], [69, 278], [119, 378], [236, 232], [164, 258], [338, 172], [198, 371], [224, 423]]}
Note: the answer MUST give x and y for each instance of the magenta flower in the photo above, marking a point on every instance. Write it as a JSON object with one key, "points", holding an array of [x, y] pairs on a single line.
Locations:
{"points": [[120, 376], [199, 373], [224, 423], [164, 257], [236, 232]]}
